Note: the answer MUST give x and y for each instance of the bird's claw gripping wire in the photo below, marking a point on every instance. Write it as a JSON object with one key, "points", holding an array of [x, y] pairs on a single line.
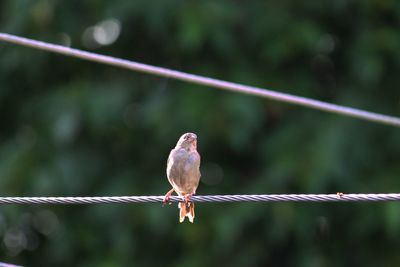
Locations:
{"points": [[167, 197], [186, 198], [339, 195]]}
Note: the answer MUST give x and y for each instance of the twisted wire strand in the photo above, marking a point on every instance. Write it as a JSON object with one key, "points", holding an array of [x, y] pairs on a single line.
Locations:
{"points": [[197, 79], [339, 197]]}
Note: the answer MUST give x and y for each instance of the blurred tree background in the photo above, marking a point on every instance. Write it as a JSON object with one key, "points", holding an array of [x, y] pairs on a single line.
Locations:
{"points": [[76, 128]]}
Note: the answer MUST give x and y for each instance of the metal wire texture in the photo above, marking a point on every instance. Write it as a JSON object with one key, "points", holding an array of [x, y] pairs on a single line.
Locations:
{"points": [[197, 79], [338, 197]]}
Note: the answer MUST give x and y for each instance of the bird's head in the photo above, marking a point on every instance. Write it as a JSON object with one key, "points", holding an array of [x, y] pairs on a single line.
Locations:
{"points": [[188, 141]]}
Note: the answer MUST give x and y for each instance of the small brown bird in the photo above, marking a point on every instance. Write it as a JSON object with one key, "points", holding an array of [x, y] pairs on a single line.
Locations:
{"points": [[183, 172]]}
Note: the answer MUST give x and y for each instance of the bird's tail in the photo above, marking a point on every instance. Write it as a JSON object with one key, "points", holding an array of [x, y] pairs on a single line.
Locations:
{"points": [[186, 210]]}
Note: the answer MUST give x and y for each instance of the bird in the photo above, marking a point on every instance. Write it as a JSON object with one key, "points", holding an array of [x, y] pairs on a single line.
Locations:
{"points": [[183, 173]]}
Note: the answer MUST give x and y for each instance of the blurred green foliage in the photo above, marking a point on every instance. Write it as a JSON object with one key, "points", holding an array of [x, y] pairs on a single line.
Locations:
{"points": [[75, 128]]}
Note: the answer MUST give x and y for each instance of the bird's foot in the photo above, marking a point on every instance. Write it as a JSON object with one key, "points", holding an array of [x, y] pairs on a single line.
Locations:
{"points": [[339, 195], [187, 197], [167, 197]]}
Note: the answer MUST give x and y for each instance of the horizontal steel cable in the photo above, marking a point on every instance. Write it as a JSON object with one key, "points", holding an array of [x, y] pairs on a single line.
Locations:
{"points": [[196, 79], [204, 198]]}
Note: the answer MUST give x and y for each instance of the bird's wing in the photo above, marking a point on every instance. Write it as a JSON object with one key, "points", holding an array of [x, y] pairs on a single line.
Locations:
{"points": [[175, 166], [194, 161], [194, 158]]}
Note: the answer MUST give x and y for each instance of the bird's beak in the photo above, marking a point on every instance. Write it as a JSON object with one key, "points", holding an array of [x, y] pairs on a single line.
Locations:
{"points": [[193, 140]]}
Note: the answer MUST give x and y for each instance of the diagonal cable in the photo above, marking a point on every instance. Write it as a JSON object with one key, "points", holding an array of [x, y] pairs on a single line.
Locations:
{"points": [[3, 264], [197, 79], [339, 197]]}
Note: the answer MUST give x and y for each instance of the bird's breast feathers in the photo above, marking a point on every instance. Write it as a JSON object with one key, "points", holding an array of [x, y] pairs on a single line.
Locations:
{"points": [[183, 170]]}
